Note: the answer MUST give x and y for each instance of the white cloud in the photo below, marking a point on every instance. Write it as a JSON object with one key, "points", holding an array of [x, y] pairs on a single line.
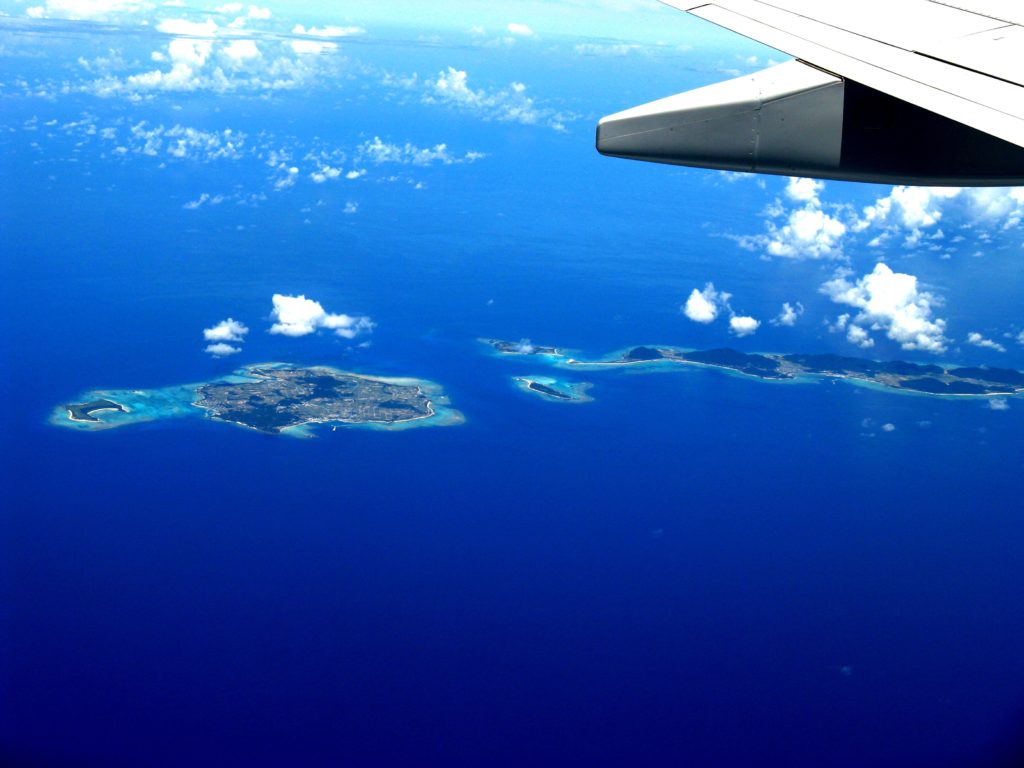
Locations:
{"points": [[999, 404], [802, 190], [350, 208], [180, 142], [260, 14], [789, 314], [888, 427], [911, 207], [353, 175], [978, 340], [204, 199], [86, 10], [702, 306], [226, 330], [857, 335], [325, 173], [299, 316], [910, 211], [311, 47], [807, 232], [509, 104], [605, 49], [993, 204], [186, 28], [891, 302], [197, 57], [288, 178], [743, 325], [324, 36], [221, 349], [328, 31], [241, 50], [520, 30], [378, 151]]}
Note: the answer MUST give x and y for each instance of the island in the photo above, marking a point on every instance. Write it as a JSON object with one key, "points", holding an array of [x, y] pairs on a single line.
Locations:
{"points": [[927, 379], [85, 411], [273, 398], [558, 390], [522, 347]]}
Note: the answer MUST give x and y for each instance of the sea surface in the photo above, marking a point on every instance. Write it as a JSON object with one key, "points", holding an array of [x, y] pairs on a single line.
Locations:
{"points": [[694, 568]]}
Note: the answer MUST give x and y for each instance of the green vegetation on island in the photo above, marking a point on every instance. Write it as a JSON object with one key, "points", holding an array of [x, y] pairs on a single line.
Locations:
{"points": [[927, 379], [85, 411], [554, 389], [273, 398], [522, 347]]}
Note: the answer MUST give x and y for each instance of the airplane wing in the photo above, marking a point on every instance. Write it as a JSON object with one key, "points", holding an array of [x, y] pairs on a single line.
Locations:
{"points": [[890, 91]]}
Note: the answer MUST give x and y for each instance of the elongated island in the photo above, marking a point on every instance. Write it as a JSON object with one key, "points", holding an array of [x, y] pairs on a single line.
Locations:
{"points": [[927, 379], [274, 398]]}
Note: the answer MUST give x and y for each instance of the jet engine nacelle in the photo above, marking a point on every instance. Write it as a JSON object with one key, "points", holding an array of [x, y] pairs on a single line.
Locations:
{"points": [[797, 120]]}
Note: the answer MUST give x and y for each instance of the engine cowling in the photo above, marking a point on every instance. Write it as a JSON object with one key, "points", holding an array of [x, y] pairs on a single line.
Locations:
{"points": [[797, 120]]}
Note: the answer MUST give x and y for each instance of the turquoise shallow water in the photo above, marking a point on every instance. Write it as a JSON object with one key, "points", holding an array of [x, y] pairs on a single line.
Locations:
{"points": [[138, 406]]}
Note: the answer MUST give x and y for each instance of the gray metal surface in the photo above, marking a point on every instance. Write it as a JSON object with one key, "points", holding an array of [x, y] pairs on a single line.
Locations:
{"points": [[919, 51]]}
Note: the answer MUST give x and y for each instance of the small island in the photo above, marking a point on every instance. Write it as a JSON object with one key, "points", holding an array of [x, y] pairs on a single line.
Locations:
{"points": [[927, 379], [523, 347], [273, 398], [553, 389], [85, 411]]}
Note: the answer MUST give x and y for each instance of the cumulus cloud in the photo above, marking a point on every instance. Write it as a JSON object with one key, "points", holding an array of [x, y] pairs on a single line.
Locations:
{"points": [[799, 225], [226, 330], [205, 55], [909, 212], [743, 325], [299, 316], [86, 10], [912, 209], [807, 231], [378, 151], [511, 104], [703, 306], [978, 340], [888, 427], [221, 349], [605, 49], [891, 302], [857, 335], [180, 142], [241, 50], [802, 190], [204, 199], [789, 314], [287, 178], [999, 404], [316, 40], [325, 173], [520, 30], [329, 31]]}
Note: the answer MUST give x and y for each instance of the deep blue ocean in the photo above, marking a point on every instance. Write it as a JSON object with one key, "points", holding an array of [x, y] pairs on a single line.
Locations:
{"points": [[694, 569]]}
